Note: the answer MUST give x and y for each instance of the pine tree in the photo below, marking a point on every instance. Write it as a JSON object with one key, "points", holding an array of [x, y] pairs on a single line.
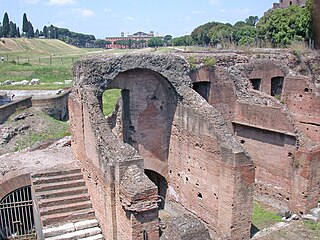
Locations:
{"points": [[45, 31], [1, 35], [30, 33], [13, 30], [5, 25], [18, 33], [25, 24], [37, 34]]}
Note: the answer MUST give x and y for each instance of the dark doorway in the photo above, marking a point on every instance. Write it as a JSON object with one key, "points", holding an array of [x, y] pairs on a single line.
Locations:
{"points": [[276, 86], [161, 183], [203, 88], [256, 83]]}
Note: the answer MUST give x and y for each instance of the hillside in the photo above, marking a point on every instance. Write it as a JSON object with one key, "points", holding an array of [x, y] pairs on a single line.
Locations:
{"points": [[37, 46]]}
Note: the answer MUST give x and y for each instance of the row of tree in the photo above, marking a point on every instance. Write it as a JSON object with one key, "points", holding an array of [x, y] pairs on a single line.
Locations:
{"points": [[9, 29], [278, 27]]}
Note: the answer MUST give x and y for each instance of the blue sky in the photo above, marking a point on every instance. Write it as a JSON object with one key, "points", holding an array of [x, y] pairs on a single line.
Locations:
{"points": [[111, 17]]}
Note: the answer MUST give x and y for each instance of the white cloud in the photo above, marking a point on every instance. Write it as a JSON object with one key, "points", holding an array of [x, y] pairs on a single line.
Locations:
{"points": [[128, 18], [32, 1], [107, 10], [61, 2], [188, 18], [235, 10], [214, 2], [84, 12]]}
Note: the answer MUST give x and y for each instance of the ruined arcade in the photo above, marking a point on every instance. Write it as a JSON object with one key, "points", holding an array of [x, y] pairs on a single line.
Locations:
{"points": [[198, 142]]}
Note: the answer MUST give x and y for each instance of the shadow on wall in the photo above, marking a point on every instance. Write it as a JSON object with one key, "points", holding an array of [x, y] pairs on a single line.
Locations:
{"points": [[148, 106]]}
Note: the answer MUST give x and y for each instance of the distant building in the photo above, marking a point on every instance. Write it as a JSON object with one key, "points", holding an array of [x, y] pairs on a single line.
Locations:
{"points": [[139, 40], [287, 3]]}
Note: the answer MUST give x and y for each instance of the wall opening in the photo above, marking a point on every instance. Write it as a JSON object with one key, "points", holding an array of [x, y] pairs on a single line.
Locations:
{"points": [[148, 107], [16, 214], [203, 88], [290, 3], [126, 121], [276, 86], [256, 82], [161, 183]]}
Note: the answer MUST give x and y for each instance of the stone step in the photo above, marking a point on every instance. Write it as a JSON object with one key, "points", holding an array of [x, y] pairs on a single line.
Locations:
{"points": [[59, 185], [67, 217], [69, 227], [65, 208], [59, 178], [56, 173], [84, 233], [48, 202], [95, 237], [61, 192]]}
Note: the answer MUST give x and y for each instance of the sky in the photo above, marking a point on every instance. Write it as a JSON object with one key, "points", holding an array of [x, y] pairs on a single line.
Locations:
{"points": [[108, 18]]}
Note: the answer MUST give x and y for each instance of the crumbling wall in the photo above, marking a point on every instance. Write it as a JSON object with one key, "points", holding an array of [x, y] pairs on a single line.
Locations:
{"points": [[276, 132], [178, 118]]}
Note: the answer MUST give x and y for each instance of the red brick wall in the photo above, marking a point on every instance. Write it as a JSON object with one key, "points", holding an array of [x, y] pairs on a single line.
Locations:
{"points": [[263, 117], [204, 178], [304, 106], [265, 73], [272, 156]]}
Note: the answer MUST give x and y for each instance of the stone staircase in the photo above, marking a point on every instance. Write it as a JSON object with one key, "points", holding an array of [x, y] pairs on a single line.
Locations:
{"points": [[64, 205]]}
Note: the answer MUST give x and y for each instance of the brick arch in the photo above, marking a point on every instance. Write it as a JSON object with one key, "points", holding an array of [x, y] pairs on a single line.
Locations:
{"points": [[14, 183], [148, 106]]}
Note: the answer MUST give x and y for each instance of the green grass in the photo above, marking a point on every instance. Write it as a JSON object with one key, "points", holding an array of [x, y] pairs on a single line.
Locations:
{"points": [[109, 100], [262, 218], [54, 130]]}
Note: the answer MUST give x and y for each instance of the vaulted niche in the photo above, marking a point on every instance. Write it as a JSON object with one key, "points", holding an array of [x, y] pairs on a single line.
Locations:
{"points": [[161, 183], [203, 88], [148, 107], [276, 86], [256, 82]]}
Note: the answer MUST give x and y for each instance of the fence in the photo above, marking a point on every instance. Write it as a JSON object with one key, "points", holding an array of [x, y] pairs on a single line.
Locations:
{"points": [[51, 60]]}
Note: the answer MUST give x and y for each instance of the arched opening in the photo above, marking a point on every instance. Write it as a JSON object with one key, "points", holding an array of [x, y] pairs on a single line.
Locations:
{"points": [[290, 3], [256, 82], [276, 86], [147, 110], [16, 214], [203, 88], [161, 183]]}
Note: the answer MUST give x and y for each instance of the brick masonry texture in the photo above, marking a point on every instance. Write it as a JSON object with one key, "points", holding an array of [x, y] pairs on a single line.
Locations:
{"points": [[166, 128]]}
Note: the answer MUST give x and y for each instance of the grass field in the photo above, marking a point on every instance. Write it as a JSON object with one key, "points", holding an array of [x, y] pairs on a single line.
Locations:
{"points": [[49, 60]]}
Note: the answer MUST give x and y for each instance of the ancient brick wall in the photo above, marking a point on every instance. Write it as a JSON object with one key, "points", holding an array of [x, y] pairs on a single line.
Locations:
{"points": [[166, 122], [274, 133]]}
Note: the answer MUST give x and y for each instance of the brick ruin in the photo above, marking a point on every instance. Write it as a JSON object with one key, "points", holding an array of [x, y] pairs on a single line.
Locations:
{"points": [[204, 140]]}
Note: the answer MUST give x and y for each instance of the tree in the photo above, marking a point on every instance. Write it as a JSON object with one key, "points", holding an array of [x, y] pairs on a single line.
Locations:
{"points": [[18, 33], [25, 23], [101, 43], [5, 25], [282, 26], [37, 34], [182, 41], [13, 30], [1, 34], [155, 42], [30, 33], [252, 20], [45, 32], [167, 39]]}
